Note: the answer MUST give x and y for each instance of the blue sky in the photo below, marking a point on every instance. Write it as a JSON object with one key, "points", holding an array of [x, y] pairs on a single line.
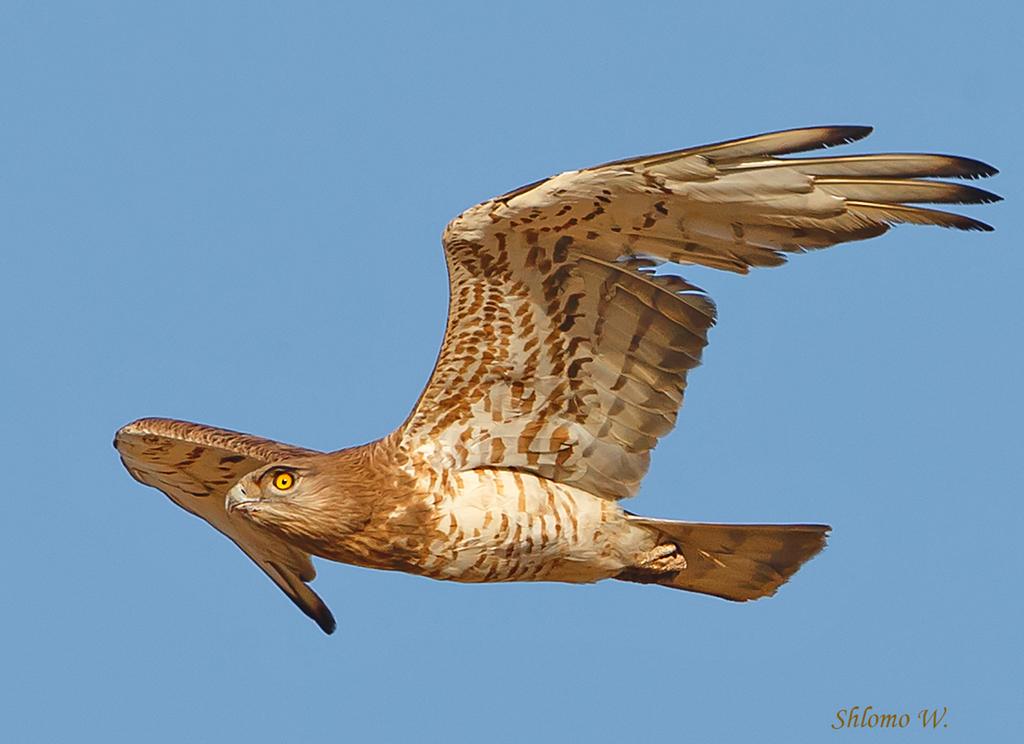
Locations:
{"points": [[230, 213]]}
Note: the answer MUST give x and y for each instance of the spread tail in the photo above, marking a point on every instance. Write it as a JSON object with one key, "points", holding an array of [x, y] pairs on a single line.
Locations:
{"points": [[735, 561]]}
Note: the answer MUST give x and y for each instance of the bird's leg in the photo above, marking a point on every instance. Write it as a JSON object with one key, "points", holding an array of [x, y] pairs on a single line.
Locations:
{"points": [[662, 558]]}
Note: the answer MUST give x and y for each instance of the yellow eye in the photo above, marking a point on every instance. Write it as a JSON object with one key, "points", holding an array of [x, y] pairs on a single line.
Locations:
{"points": [[284, 481]]}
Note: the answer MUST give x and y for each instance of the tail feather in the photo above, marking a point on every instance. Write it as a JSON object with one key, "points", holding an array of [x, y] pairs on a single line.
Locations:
{"points": [[734, 561]]}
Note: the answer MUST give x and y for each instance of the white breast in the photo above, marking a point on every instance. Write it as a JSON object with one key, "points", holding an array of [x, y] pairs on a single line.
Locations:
{"points": [[500, 525]]}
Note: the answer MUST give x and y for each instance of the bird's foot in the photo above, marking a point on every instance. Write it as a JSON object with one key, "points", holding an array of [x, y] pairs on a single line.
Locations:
{"points": [[662, 558]]}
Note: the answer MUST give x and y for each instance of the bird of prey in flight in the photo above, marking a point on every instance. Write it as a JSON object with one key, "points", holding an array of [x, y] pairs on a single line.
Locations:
{"points": [[564, 361]]}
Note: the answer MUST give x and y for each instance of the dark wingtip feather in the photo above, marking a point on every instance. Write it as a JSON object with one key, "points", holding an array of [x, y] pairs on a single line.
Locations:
{"points": [[974, 195], [970, 168], [327, 623], [321, 615], [302, 596], [976, 225], [963, 222], [824, 137], [844, 134]]}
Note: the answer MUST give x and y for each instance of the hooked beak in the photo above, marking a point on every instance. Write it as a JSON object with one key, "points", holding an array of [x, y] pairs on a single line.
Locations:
{"points": [[236, 500]]}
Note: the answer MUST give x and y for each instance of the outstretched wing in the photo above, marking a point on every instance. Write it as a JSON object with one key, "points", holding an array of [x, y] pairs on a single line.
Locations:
{"points": [[566, 356], [195, 466]]}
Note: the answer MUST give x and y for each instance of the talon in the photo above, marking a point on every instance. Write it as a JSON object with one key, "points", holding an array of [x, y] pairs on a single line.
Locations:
{"points": [[662, 558]]}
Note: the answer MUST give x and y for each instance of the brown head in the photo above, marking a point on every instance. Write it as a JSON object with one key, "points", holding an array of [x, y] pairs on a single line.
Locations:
{"points": [[303, 499]]}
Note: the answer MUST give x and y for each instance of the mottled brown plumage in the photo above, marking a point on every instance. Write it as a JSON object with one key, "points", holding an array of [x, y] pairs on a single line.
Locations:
{"points": [[564, 361]]}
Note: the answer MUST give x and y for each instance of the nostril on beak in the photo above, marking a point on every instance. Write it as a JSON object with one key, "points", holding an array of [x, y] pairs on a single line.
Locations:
{"points": [[235, 498]]}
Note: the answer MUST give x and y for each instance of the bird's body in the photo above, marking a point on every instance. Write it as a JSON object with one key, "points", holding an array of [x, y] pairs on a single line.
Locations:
{"points": [[501, 525], [478, 525], [564, 361]]}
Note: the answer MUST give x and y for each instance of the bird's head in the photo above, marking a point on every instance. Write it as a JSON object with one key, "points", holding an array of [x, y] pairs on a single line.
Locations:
{"points": [[315, 500], [276, 487], [298, 498]]}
